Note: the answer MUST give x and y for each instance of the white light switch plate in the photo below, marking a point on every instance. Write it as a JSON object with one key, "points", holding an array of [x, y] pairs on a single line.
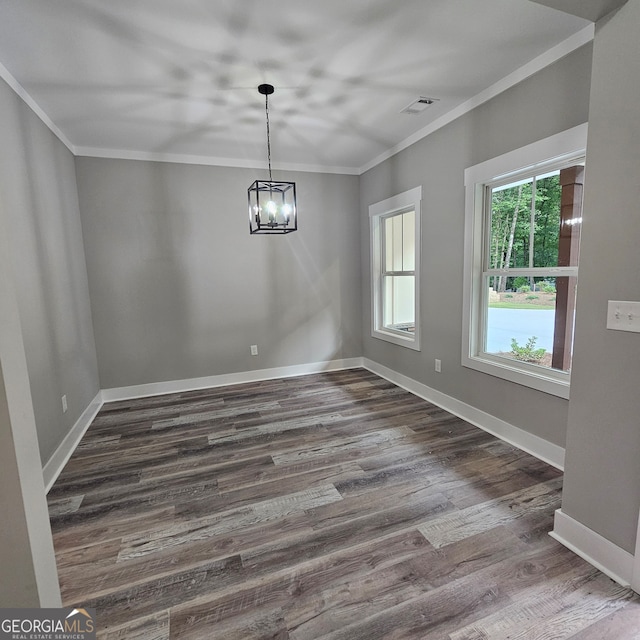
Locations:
{"points": [[623, 315]]}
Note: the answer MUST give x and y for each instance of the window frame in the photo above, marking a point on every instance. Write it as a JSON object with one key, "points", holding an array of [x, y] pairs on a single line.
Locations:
{"points": [[531, 160], [410, 200]]}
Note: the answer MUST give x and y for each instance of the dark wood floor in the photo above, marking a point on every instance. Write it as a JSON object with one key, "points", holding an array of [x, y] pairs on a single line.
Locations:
{"points": [[333, 506]]}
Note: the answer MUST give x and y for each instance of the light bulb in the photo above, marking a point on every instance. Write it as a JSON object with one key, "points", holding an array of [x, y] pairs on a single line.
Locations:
{"points": [[272, 209], [286, 212]]}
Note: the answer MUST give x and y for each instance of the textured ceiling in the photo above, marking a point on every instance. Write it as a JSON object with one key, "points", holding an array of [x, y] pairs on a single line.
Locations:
{"points": [[179, 78]]}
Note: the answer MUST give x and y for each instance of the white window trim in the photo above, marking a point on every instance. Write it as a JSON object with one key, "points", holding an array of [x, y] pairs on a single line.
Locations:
{"points": [[406, 201], [558, 148]]}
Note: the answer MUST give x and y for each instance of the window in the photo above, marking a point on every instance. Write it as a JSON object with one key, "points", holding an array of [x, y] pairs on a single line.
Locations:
{"points": [[395, 268], [522, 240]]}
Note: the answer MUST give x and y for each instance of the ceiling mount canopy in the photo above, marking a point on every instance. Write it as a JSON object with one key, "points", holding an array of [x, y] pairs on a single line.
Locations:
{"points": [[272, 205], [266, 89]]}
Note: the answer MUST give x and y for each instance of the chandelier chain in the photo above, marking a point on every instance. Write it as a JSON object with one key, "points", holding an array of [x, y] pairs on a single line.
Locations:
{"points": [[266, 108]]}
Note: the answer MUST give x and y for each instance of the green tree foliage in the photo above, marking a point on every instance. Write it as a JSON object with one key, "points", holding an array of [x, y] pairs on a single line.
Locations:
{"points": [[521, 237]]}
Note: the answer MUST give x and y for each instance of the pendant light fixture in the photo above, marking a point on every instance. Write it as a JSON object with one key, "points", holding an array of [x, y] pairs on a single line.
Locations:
{"points": [[272, 205]]}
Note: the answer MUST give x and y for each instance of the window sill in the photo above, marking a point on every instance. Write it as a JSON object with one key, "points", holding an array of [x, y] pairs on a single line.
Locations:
{"points": [[555, 383], [401, 338]]}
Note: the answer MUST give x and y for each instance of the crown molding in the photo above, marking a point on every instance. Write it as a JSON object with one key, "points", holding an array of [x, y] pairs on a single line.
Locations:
{"points": [[8, 77], [180, 158]]}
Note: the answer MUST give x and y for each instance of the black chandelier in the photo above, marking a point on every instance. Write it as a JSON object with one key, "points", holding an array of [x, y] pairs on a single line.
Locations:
{"points": [[272, 205]]}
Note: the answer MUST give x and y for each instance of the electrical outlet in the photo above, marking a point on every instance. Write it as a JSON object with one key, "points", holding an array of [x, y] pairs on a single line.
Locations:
{"points": [[438, 366], [64, 404], [254, 349]]}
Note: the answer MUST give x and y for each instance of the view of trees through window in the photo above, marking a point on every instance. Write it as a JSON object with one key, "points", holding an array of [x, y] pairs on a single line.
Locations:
{"points": [[522, 236], [531, 261]]}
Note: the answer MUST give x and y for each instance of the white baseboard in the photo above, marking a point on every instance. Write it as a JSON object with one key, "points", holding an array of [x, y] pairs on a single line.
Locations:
{"points": [[592, 547], [540, 448], [193, 384], [61, 455]]}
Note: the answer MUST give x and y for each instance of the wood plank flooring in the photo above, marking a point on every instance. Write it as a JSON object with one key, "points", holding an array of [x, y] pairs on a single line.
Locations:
{"points": [[335, 506]]}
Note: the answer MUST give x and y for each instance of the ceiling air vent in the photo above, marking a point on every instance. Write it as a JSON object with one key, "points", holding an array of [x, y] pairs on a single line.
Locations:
{"points": [[418, 105]]}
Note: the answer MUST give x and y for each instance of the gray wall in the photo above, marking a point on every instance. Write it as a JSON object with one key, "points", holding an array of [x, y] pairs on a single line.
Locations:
{"points": [[39, 204], [179, 289], [551, 101], [602, 480]]}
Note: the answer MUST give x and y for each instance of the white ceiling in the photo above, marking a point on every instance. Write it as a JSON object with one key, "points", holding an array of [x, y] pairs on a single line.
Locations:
{"points": [[178, 78], [590, 9]]}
